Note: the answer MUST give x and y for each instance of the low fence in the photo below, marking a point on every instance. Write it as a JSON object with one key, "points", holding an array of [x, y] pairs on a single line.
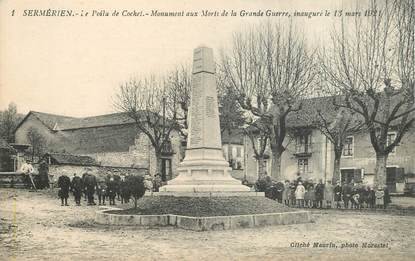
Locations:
{"points": [[13, 180]]}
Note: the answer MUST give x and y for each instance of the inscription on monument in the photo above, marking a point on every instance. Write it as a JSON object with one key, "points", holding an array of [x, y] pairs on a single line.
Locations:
{"points": [[196, 114], [210, 110]]}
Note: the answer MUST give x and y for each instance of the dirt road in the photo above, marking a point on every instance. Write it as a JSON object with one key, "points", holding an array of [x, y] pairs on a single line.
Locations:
{"points": [[35, 227]]}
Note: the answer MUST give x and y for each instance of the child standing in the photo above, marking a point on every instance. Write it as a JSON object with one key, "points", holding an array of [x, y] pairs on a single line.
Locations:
{"points": [[299, 194]]}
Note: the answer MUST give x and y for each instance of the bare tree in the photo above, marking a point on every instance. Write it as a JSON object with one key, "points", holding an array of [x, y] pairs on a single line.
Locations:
{"points": [[37, 142], [336, 124], [271, 69], [372, 65], [180, 82], [154, 108]]}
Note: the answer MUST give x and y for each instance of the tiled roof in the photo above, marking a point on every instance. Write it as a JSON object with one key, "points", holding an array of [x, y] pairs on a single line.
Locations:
{"points": [[96, 121], [70, 159], [59, 122], [50, 120], [308, 113]]}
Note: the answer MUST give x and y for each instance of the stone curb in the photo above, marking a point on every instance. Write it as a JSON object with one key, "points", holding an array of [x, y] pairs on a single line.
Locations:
{"points": [[203, 223], [398, 212], [208, 194]]}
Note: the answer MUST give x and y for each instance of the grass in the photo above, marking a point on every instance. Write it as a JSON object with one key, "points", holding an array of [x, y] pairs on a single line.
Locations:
{"points": [[203, 206]]}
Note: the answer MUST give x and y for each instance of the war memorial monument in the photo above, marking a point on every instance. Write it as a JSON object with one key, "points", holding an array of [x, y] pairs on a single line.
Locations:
{"points": [[204, 168], [204, 196]]}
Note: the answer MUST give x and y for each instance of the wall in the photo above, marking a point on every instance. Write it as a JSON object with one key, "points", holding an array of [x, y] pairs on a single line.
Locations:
{"points": [[32, 122], [115, 138], [365, 157], [140, 154]]}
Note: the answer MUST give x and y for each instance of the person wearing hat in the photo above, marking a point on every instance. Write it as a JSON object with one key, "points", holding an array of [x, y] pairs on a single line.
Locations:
{"points": [[76, 185], [112, 190], [286, 193], [101, 189], [337, 194], [28, 170], [319, 193], [386, 198], [64, 183], [347, 194]]}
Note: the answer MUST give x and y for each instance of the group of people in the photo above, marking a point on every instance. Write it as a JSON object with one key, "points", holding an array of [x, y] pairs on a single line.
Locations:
{"points": [[308, 194], [111, 187]]}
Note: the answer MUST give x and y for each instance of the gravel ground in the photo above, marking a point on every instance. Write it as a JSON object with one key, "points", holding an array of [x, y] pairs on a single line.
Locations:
{"points": [[35, 227]]}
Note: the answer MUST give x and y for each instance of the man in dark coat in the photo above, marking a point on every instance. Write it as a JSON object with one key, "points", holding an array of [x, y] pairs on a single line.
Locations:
{"points": [[337, 194], [124, 191], [90, 183], [111, 190], [280, 190], [64, 183], [347, 193], [371, 197], [77, 189], [386, 198], [319, 192], [101, 191], [117, 180], [43, 174], [84, 187]]}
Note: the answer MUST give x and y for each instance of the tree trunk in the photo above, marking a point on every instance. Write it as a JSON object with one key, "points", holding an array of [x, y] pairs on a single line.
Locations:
{"points": [[380, 169], [276, 165], [336, 167], [336, 171], [135, 202], [261, 167], [158, 167]]}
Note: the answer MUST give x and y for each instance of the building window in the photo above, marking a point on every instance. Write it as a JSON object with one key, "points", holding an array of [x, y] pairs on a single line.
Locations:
{"points": [[303, 143], [390, 139], [302, 166], [238, 152], [348, 147], [236, 158]]}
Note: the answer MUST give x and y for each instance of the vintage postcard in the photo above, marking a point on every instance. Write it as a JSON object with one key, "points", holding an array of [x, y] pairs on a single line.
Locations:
{"points": [[207, 130]]}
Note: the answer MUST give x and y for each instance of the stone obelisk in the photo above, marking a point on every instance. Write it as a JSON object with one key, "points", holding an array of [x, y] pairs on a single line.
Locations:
{"points": [[204, 169]]}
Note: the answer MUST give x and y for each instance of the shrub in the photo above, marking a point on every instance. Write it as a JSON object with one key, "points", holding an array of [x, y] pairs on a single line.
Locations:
{"points": [[136, 186], [263, 184]]}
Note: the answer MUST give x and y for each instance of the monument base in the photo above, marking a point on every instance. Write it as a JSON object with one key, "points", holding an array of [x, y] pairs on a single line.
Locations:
{"points": [[204, 176]]}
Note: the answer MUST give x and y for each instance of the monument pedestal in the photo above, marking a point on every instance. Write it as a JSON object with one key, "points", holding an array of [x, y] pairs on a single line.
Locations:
{"points": [[200, 172]]}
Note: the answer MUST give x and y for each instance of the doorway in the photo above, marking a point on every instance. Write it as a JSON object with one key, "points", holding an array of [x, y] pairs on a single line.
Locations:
{"points": [[391, 178], [347, 175]]}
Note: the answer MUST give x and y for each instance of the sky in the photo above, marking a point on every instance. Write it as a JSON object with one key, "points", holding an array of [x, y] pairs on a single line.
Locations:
{"points": [[74, 65]]}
